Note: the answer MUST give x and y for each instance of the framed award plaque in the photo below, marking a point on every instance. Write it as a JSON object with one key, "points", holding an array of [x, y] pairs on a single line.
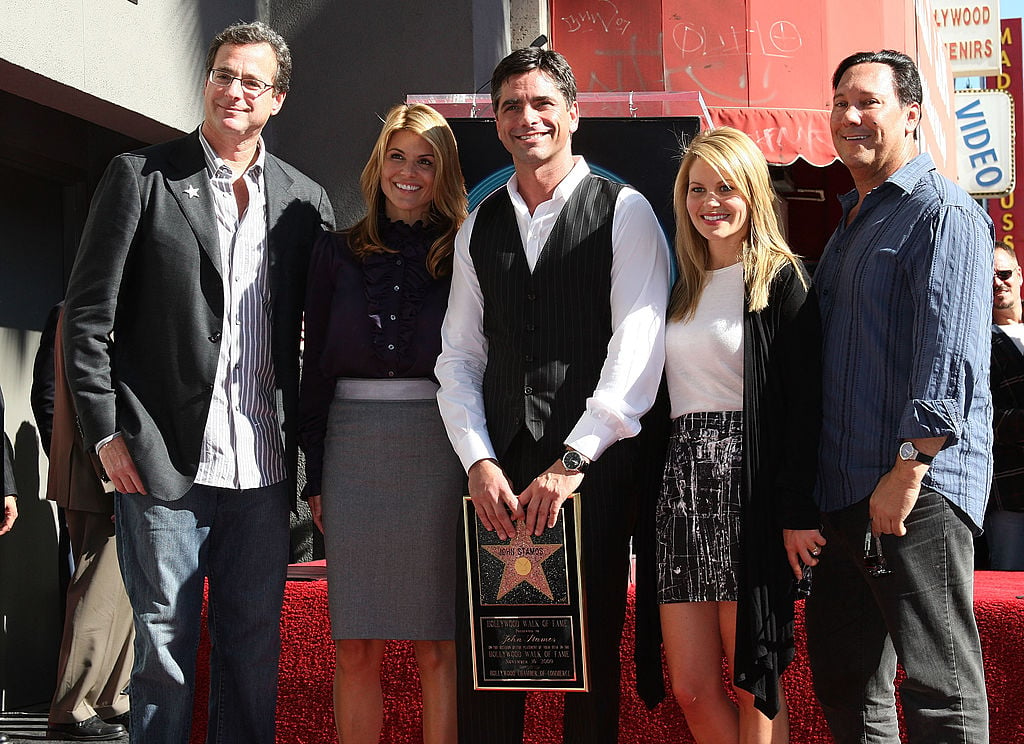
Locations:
{"points": [[527, 613]]}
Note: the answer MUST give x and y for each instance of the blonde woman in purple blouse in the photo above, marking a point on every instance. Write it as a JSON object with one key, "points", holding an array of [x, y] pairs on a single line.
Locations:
{"points": [[383, 481]]}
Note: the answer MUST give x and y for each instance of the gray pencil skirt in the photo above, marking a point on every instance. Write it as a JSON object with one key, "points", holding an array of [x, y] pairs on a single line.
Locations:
{"points": [[392, 488]]}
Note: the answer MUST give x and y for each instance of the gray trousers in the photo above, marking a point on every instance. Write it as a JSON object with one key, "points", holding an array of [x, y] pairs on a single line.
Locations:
{"points": [[922, 615]]}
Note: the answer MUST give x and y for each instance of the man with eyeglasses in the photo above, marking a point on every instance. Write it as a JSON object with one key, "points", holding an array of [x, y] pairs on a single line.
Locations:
{"points": [[906, 438], [181, 341], [1004, 522]]}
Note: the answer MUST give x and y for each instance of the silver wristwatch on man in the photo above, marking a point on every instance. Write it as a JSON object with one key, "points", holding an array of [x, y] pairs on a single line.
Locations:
{"points": [[909, 452], [574, 462]]}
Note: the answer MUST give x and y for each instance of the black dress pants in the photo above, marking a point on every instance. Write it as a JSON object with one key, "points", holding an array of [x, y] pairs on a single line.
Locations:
{"points": [[607, 514]]}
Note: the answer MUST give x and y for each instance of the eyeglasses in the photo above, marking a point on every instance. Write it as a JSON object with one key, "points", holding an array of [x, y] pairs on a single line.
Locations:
{"points": [[253, 86], [874, 558], [1003, 275]]}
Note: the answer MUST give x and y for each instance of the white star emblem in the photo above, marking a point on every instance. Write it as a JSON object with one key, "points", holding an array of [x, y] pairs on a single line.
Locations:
{"points": [[192, 192]]}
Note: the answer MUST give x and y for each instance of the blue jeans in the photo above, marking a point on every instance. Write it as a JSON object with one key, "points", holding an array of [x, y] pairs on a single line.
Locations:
{"points": [[1005, 533], [239, 540], [922, 614]]}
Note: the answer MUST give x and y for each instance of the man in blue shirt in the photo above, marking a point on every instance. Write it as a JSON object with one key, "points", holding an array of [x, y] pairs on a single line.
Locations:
{"points": [[905, 460]]}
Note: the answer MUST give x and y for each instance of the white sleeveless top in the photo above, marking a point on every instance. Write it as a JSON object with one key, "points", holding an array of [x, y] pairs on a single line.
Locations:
{"points": [[704, 355]]}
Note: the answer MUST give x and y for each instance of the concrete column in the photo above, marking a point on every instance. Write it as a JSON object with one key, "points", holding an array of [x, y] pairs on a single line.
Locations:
{"points": [[528, 19]]}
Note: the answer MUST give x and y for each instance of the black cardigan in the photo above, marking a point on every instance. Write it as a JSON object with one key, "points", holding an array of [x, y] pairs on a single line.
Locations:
{"points": [[782, 421]]}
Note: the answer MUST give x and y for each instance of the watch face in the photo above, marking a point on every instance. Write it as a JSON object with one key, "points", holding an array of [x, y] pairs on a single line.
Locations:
{"points": [[572, 460], [907, 451]]}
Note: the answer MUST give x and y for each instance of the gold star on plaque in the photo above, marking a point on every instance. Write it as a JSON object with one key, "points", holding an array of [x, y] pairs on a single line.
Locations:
{"points": [[522, 559]]}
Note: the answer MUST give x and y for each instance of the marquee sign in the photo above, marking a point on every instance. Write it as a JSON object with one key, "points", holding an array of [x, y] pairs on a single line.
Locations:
{"points": [[970, 34], [985, 143]]}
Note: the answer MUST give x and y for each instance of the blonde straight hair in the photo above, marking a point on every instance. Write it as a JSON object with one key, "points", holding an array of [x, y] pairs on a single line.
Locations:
{"points": [[738, 162], [448, 205]]}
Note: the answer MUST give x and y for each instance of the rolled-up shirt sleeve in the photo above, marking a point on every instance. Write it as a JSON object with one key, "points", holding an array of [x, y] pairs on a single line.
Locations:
{"points": [[949, 311]]}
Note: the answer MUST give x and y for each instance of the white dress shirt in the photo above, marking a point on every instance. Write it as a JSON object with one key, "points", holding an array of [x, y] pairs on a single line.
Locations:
{"points": [[636, 352]]}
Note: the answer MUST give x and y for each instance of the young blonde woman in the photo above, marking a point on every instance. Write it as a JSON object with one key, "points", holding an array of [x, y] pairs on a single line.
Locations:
{"points": [[742, 350], [383, 481]]}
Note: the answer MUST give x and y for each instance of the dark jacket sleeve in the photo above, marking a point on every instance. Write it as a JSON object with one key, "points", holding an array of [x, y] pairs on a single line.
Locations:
{"points": [[92, 295], [1007, 381], [42, 379], [795, 372], [10, 487], [1007, 377], [316, 390], [1008, 426]]}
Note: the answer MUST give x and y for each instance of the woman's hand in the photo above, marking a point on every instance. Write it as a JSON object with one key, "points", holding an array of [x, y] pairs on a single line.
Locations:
{"points": [[802, 548]]}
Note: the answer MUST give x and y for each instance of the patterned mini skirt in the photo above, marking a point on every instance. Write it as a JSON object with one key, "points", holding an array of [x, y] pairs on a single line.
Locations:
{"points": [[699, 511]]}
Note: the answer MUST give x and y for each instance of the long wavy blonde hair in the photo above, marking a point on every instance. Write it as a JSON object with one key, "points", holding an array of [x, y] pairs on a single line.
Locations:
{"points": [[737, 161], [448, 205]]}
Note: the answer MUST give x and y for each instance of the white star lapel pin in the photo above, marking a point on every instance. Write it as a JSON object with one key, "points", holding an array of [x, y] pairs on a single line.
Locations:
{"points": [[192, 192]]}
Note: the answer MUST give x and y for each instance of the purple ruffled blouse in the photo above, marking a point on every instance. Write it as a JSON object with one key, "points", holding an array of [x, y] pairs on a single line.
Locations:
{"points": [[376, 318]]}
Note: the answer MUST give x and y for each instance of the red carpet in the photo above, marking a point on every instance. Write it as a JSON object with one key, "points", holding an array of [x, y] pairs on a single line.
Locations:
{"points": [[307, 667]]}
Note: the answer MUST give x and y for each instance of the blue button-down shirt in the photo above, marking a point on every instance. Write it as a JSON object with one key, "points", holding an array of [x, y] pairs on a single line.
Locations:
{"points": [[906, 295]]}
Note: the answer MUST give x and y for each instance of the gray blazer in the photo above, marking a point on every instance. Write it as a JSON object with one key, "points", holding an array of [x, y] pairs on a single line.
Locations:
{"points": [[144, 306]]}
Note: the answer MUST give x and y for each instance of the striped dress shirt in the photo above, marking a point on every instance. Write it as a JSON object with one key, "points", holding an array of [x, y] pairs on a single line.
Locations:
{"points": [[242, 446], [905, 291]]}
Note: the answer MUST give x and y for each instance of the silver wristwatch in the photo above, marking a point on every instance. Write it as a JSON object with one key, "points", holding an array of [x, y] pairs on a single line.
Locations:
{"points": [[574, 462], [909, 452]]}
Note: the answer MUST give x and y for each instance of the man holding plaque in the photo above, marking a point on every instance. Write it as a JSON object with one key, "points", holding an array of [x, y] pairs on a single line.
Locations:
{"points": [[552, 349]]}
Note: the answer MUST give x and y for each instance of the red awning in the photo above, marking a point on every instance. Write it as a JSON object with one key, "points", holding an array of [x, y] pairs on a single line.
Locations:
{"points": [[783, 134]]}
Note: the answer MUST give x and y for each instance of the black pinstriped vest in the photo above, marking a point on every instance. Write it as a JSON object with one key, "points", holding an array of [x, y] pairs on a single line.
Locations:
{"points": [[547, 332]]}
